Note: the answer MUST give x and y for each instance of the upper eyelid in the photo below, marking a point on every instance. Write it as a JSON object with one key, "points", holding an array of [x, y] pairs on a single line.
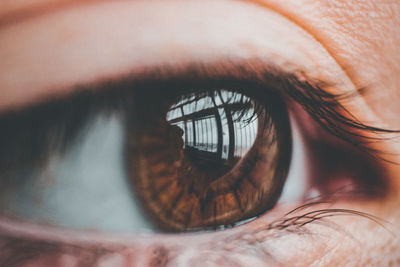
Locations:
{"points": [[254, 70], [87, 100], [62, 51], [15, 12], [69, 114], [311, 94]]}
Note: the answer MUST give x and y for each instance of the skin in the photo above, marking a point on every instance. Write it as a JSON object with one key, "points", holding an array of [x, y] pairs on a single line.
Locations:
{"points": [[350, 44]]}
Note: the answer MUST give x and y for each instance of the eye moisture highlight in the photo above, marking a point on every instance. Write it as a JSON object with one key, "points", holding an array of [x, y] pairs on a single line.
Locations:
{"points": [[207, 160]]}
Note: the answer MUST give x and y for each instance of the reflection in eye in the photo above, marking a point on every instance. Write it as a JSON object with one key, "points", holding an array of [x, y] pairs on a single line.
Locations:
{"points": [[207, 160]]}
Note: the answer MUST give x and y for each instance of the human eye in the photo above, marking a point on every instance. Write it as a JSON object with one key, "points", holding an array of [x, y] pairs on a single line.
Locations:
{"points": [[202, 140], [197, 154]]}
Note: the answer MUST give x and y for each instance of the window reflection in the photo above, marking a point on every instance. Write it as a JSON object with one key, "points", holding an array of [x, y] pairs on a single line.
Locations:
{"points": [[218, 127]]}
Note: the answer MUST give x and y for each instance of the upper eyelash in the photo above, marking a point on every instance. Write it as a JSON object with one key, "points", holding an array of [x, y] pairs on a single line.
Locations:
{"points": [[65, 117], [326, 109], [58, 122]]}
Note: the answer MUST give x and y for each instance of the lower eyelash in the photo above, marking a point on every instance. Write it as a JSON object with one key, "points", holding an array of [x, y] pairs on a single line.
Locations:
{"points": [[260, 240], [18, 251]]}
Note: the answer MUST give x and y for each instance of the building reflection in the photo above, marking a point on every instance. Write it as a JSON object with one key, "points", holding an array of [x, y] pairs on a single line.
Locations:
{"points": [[218, 127]]}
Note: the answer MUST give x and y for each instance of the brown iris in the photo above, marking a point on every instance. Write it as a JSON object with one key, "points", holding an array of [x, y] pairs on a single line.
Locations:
{"points": [[207, 160]]}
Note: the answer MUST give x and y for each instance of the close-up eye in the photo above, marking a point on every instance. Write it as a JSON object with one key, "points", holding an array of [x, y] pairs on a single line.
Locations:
{"points": [[177, 155], [199, 133], [199, 157]]}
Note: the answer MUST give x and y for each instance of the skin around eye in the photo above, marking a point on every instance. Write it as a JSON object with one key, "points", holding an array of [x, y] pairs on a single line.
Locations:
{"points": [[348, 43], [254, 34]]}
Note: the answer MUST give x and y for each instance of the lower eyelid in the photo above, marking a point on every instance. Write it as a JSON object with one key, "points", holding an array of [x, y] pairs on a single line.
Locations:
{"points": [[59, 247], [268, 244]]}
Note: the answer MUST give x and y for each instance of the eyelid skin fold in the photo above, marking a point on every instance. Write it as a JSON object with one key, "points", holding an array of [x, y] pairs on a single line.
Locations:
{"points": [[61, 39], [252, 36]]}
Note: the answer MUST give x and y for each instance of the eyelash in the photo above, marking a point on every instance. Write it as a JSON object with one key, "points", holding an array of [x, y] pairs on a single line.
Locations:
{"points": [[60, 121], [66, 117], [92, 254], [325, 108]]}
